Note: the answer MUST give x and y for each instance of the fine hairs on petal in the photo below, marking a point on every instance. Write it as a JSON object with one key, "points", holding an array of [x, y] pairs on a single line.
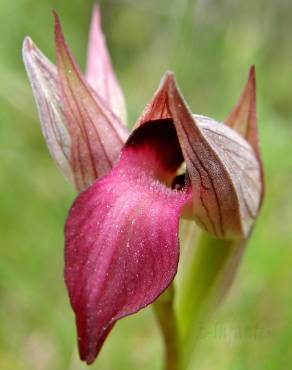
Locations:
{"points": [[122, 239]]}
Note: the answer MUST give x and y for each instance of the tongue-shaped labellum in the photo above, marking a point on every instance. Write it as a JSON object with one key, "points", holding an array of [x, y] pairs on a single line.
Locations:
{"points": [[122, 235]]}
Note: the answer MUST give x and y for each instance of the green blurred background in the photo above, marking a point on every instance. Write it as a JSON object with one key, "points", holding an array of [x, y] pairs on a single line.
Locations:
{"points": [[210, 45]]}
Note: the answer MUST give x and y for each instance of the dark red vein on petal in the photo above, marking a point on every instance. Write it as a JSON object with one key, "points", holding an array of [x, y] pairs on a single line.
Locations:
{"points": [[210, 178]]}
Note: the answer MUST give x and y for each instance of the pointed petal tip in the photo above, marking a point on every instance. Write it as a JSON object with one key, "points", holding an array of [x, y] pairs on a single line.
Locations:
{"points": [[89, 359], [85, 113], [252, 71], [96, 16], [96, 13], [59, 37], [167, 78], [173, 88], [169, 74], [158, 108], [242, 117], [99, 69], [251, 77], [27, 44], [55, 15], [27, 47], [168, 83]]}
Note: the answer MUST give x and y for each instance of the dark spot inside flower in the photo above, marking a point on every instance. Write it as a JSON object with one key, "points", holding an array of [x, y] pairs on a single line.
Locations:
{"points": [[179, 182], [156, 148]]}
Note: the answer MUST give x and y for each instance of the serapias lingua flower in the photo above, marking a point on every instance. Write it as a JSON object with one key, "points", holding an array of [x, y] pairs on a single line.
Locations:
{"points": [[121, 234]]}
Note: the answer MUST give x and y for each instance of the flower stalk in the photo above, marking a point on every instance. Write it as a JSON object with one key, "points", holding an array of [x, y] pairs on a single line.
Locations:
{"points": [[182, 313], [211, 272], [166, 318]]}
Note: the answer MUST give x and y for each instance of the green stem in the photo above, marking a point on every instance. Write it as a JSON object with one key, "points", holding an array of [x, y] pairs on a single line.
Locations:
{"points": [[207, 279], [165, 316]]}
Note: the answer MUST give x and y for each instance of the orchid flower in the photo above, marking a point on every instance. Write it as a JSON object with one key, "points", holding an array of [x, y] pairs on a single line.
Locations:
{"points": [[121, 234]]}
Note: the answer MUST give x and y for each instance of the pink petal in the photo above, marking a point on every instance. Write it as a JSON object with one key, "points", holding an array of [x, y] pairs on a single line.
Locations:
{"points": [[243, 118], [122, 236], [99, 71], [243, 170], [158, 108], [96, 133], [43, 78]]}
